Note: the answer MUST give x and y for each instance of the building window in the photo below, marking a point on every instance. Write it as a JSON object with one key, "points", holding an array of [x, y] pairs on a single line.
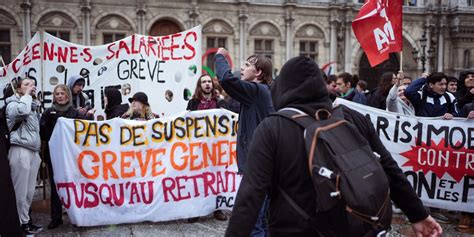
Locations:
{"points": [[469, 2], [64, 35], [467, 58], [5, 45], [309, 49], [112, 37], [214, 42], [264, 47], [361, 1], [410, 3]]}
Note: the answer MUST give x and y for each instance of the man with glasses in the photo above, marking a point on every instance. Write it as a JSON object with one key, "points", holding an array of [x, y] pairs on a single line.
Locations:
{"points": [[253, 92]]}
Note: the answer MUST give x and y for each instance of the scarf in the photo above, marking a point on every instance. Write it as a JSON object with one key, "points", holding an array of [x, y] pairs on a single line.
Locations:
{"points": [[207, 104]]}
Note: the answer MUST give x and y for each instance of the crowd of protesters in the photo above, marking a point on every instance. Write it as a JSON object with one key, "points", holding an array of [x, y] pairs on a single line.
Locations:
{"points": [[300, 84]]}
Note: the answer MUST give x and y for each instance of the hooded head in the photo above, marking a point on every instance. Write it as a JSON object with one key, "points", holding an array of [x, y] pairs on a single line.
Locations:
{"points": [[300, 85], [462, 88], [113, 97], [74, 80]]}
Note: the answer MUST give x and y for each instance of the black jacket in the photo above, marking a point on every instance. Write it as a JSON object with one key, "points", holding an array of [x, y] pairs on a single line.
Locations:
{"points": [[377, 99], [277, 158], [9, 220], [47, 123], [114, 107]]}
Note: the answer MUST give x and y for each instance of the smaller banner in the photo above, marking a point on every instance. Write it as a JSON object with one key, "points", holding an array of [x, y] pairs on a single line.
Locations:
{"points": [[436, 155], [122, 171], [378, 28]]}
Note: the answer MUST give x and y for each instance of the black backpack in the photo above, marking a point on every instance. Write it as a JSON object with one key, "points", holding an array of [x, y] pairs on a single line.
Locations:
{"points": [[352, 189], [4, 126]]}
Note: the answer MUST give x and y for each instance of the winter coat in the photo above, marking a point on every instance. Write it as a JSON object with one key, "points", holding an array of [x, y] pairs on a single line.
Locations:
{"points": [[463, 95], [21, 109], [466, 109], [397, 105], [194, 103], [428, 103], [114, 107], [356, 96], [377, 99], [48, 121], [278, 159], [255, 104], [9, 220]]}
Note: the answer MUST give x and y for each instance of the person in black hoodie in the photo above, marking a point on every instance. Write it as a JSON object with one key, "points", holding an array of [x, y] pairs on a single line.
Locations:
{"points": [[62, 107], [113, 100], [378, 96], [277, 159], [9, 220]]}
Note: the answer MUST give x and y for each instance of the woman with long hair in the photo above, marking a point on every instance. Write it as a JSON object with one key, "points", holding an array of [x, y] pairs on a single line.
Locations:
{"points": [[139, 109], [378, 96], [62, 107], [23, 156]]}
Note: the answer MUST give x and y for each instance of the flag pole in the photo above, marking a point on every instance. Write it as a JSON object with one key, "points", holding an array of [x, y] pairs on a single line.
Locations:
{"points": [[401, 60], [6, 73]]}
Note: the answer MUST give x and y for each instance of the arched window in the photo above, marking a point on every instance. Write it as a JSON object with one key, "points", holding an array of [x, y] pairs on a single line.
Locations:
{"points": [[164, 27], [265, 38], [113, 28], [57, 24], [310, 39], [6, 26], [217, 34]]}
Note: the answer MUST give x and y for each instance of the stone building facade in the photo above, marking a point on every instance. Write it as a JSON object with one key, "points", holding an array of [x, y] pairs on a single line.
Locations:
{"points": [[280, 29]]}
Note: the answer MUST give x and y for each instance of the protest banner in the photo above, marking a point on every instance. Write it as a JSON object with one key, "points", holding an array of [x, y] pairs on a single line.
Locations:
{"points": [[436, 155], [124, 171], [166, 68]]}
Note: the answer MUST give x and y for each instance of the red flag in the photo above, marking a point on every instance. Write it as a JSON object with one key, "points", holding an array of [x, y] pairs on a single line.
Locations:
{"points": [[378, 28]]}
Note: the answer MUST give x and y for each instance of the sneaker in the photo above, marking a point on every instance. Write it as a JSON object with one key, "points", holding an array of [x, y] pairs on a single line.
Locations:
{"points": [[439, 217], [465, 222], [54, 224], [31, 229], [219, 215]]}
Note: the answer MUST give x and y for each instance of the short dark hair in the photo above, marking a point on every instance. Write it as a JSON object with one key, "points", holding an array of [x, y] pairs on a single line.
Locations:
{"points": [[452, 79], [362, 84], [436, 77], [331, 78], [347, 77], [263, 64]]}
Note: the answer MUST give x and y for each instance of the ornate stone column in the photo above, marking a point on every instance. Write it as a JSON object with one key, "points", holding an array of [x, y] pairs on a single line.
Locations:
{"points": [[243, 16], [141, 13], [26, 8], [86, 21]]}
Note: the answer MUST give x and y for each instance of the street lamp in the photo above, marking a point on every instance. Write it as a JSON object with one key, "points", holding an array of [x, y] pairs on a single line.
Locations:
{"points": [[425, 55]]}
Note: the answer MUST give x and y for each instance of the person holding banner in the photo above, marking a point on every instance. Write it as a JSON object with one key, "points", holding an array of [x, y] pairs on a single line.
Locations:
{"points": [[430, 98], [253, 92], [396, 101], [62, 107], [24, 151], [140, 108], [205, 97]]}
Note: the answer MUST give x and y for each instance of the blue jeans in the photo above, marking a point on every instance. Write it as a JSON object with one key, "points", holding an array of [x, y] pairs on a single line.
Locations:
{"points": [[260, 228]]}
